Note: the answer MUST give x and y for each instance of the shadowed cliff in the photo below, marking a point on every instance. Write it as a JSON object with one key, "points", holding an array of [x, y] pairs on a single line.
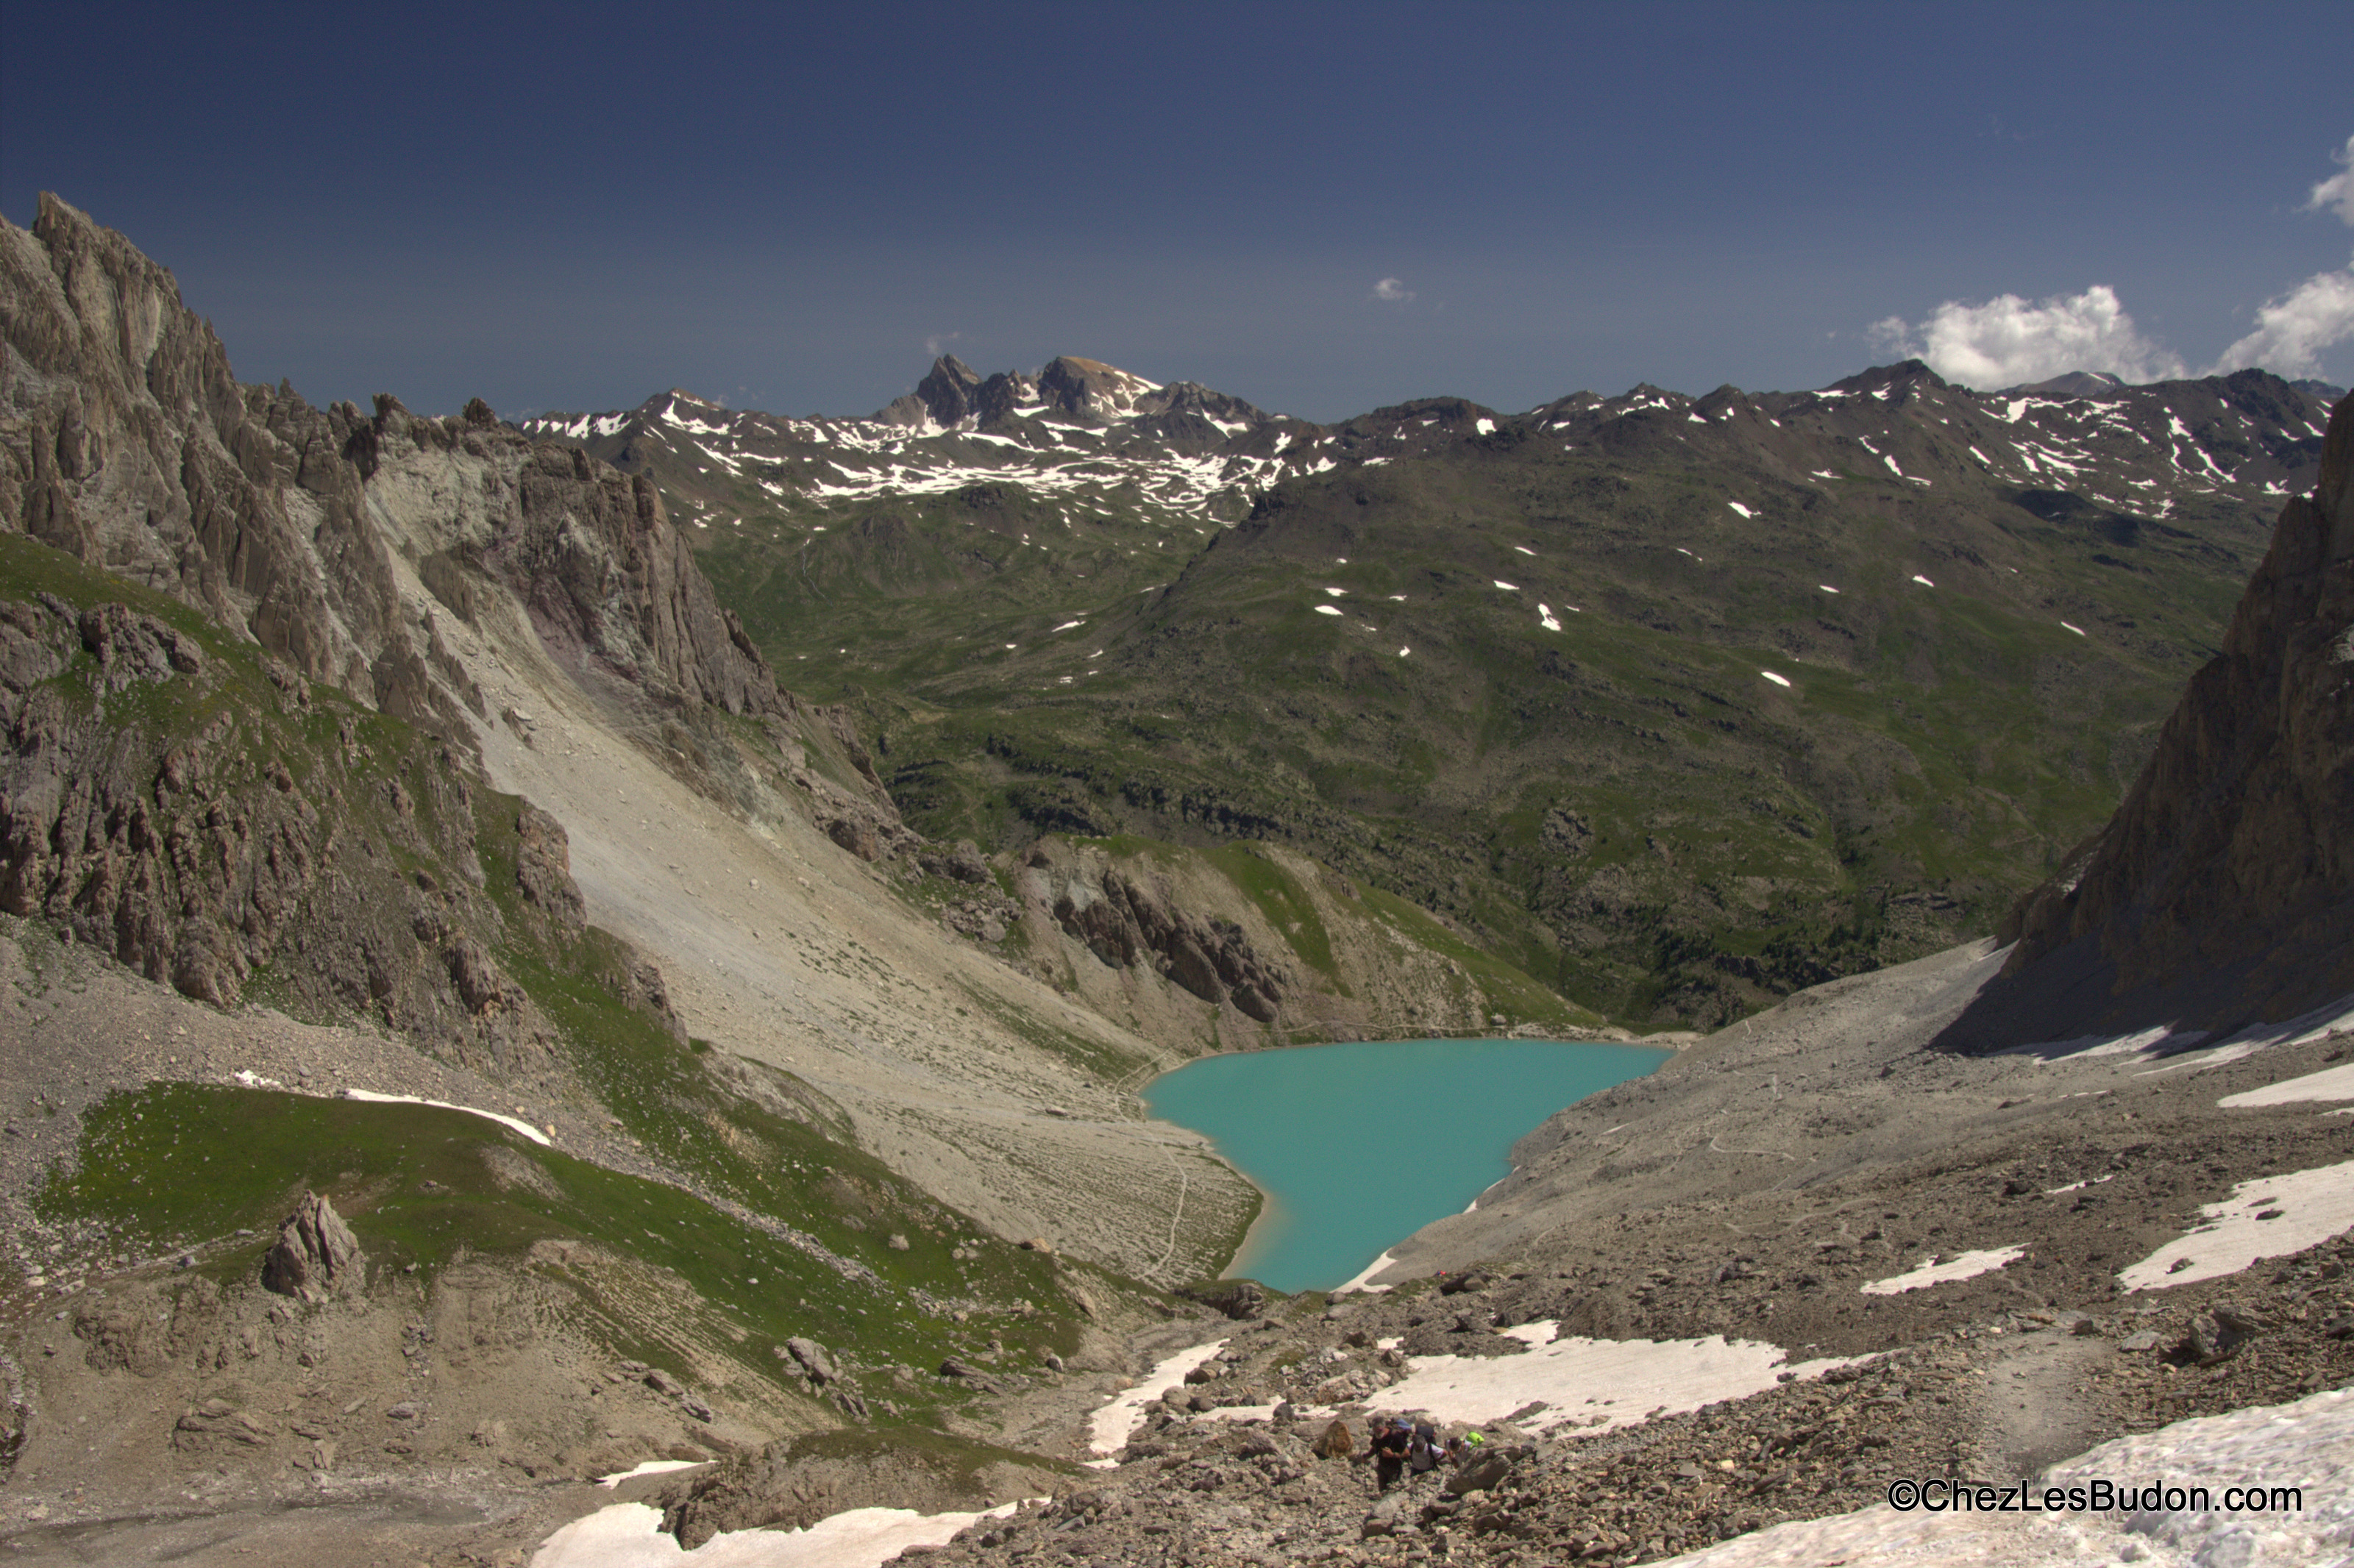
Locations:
{"points": [[2222, 891]]}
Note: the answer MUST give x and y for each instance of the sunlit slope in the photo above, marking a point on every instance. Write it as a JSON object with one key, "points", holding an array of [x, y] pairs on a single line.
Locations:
{"points": [[1531, 684], [1588, 768]]}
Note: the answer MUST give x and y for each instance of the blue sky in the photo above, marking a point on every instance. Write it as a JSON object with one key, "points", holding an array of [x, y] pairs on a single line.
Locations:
{"points": [[787, 206]]}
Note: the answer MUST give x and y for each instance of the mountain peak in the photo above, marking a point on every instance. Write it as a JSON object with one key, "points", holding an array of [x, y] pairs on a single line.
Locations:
{"points": [[1904, 373], [2072, 384]]}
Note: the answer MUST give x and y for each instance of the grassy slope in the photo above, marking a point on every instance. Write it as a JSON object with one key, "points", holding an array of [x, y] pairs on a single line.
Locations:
{"points": [[181, 1164], [178, 1164], [1732, 840]]}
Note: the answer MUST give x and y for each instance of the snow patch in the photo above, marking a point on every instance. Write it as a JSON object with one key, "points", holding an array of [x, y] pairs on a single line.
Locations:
{"points": [[1777, 680], [648, 1467], [1574, 1376], [2071, 626], [2304, 1445], [1925, 582], [1108, 1428], [1743, 510], [1326, 610], [2329, 1084], [629, 1535], [1371, 1268], [2271, 1216], [1508, 588], [1826, 588], [1961, 1266], [1485, 427], [514, 1123]]}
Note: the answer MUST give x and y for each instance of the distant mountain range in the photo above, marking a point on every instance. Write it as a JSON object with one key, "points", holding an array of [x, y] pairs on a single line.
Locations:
{"points": [[1507, 665], [1095, 436]]}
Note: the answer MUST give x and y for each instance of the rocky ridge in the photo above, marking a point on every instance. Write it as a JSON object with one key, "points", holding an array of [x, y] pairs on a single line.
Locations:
{"points": [[126, 441], [2224, 889], [1082, 431]]}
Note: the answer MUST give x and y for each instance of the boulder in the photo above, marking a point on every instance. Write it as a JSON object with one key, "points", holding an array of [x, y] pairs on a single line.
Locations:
{"points": [[1480, 1473], [317, 1257], [812, 1358]]}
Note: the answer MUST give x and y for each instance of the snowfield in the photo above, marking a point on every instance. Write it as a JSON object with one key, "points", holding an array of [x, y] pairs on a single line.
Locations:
{"points": [[1590, 1382], [1108, 1428]]}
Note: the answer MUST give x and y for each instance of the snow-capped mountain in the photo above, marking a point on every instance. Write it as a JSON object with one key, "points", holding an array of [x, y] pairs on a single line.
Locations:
{"points": [[1095, 438], [1098, 442]]}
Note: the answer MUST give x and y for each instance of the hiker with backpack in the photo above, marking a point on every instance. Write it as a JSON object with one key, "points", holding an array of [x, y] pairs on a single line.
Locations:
{"points": [[1423, 1450]]}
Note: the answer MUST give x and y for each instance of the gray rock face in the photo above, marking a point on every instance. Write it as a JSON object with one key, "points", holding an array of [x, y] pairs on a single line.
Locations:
{"points": [[131, 443], [2224, 888], [197, 851], [948, 393], [128, 442], [1124, 922], [543, 870], [317, 1258]]}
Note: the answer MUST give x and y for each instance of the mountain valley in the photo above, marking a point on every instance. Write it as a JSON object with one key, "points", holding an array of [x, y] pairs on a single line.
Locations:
{"points": [[531, 950], [1675, 704]]}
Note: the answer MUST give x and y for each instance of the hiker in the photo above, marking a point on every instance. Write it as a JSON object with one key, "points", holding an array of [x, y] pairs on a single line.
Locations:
{"points": [[1422, 1449], [1391, 1442]]}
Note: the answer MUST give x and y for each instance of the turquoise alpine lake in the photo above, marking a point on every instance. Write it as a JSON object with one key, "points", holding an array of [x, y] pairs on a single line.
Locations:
{"points": [[1358, 1146]]}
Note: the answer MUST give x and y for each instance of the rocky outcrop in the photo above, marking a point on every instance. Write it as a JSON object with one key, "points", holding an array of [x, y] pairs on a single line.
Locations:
{"points": [[543, 870], [201, 814], [168, 805], [126, 442], [1127, 922], [946, 397], [612, 589], [316, 1258], [2224, 888]]}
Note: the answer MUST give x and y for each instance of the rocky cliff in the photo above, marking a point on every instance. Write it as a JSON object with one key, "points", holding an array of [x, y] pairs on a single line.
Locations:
{"points": [[2222, 890], [126, 442], [210, 797], [208, 818]]}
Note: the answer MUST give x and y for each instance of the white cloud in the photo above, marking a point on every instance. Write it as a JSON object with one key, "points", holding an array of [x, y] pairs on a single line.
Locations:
{"points": [[2336, 194], [2292, 331], [1392, 289], [939, 340], [2009, 340]]}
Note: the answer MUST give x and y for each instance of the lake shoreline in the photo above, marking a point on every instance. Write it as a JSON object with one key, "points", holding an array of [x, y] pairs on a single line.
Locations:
{"points": [[1252, 1258]]}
